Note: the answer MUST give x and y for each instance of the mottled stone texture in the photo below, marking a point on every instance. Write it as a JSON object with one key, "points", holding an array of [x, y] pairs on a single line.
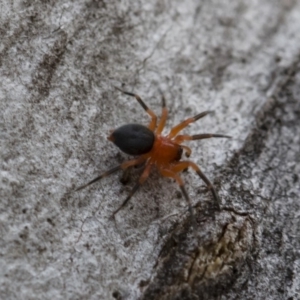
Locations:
{"points": [[59, 63]]}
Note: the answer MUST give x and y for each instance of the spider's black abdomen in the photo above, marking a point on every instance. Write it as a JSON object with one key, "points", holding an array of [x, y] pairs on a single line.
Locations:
{"points": [[133, 139]]}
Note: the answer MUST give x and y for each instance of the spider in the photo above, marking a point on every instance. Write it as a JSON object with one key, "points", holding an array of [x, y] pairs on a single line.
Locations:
{"points": [[155, 150]]}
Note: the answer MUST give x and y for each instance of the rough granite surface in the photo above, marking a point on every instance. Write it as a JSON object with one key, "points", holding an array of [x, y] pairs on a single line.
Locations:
{"points": [[59, 63]]}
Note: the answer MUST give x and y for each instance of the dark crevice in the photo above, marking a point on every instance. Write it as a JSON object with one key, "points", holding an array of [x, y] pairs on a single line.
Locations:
{"points": [[42, 77]]}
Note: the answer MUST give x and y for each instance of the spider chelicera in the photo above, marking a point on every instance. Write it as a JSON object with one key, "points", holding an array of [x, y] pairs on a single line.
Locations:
{"points": [[155, 150]]}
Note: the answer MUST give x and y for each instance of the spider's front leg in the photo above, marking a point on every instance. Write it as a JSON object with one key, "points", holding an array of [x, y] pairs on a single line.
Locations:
{"points": [[171, 174], [185, 137], [164, 115], [180, 166], [176, 129], [153, 116]]}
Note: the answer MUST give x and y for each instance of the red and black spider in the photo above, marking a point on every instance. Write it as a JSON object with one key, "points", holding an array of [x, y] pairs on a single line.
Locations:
{"points": [[156, 150]]}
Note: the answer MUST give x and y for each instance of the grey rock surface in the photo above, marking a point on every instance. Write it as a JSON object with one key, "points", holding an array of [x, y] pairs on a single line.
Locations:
{"points": [[59, 63]]}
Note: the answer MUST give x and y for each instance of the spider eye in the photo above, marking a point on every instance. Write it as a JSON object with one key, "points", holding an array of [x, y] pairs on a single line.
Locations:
{"points": [[133, 139]]}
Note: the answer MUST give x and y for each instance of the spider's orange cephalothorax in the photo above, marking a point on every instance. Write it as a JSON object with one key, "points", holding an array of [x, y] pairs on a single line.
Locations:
{"points": [[164, 152]]}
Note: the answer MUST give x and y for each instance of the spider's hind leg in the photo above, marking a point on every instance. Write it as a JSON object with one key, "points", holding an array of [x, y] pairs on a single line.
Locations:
{"points": [[122, 166], [142, 179]]}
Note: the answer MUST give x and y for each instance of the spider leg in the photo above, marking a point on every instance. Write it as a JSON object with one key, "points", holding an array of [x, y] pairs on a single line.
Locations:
{"points": [[172, 174], [188, 150], [142, 179], [123, 166], [126, 174], [153, 116], [181, 138], [174, 131], [180, 166], [164, 115]]}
